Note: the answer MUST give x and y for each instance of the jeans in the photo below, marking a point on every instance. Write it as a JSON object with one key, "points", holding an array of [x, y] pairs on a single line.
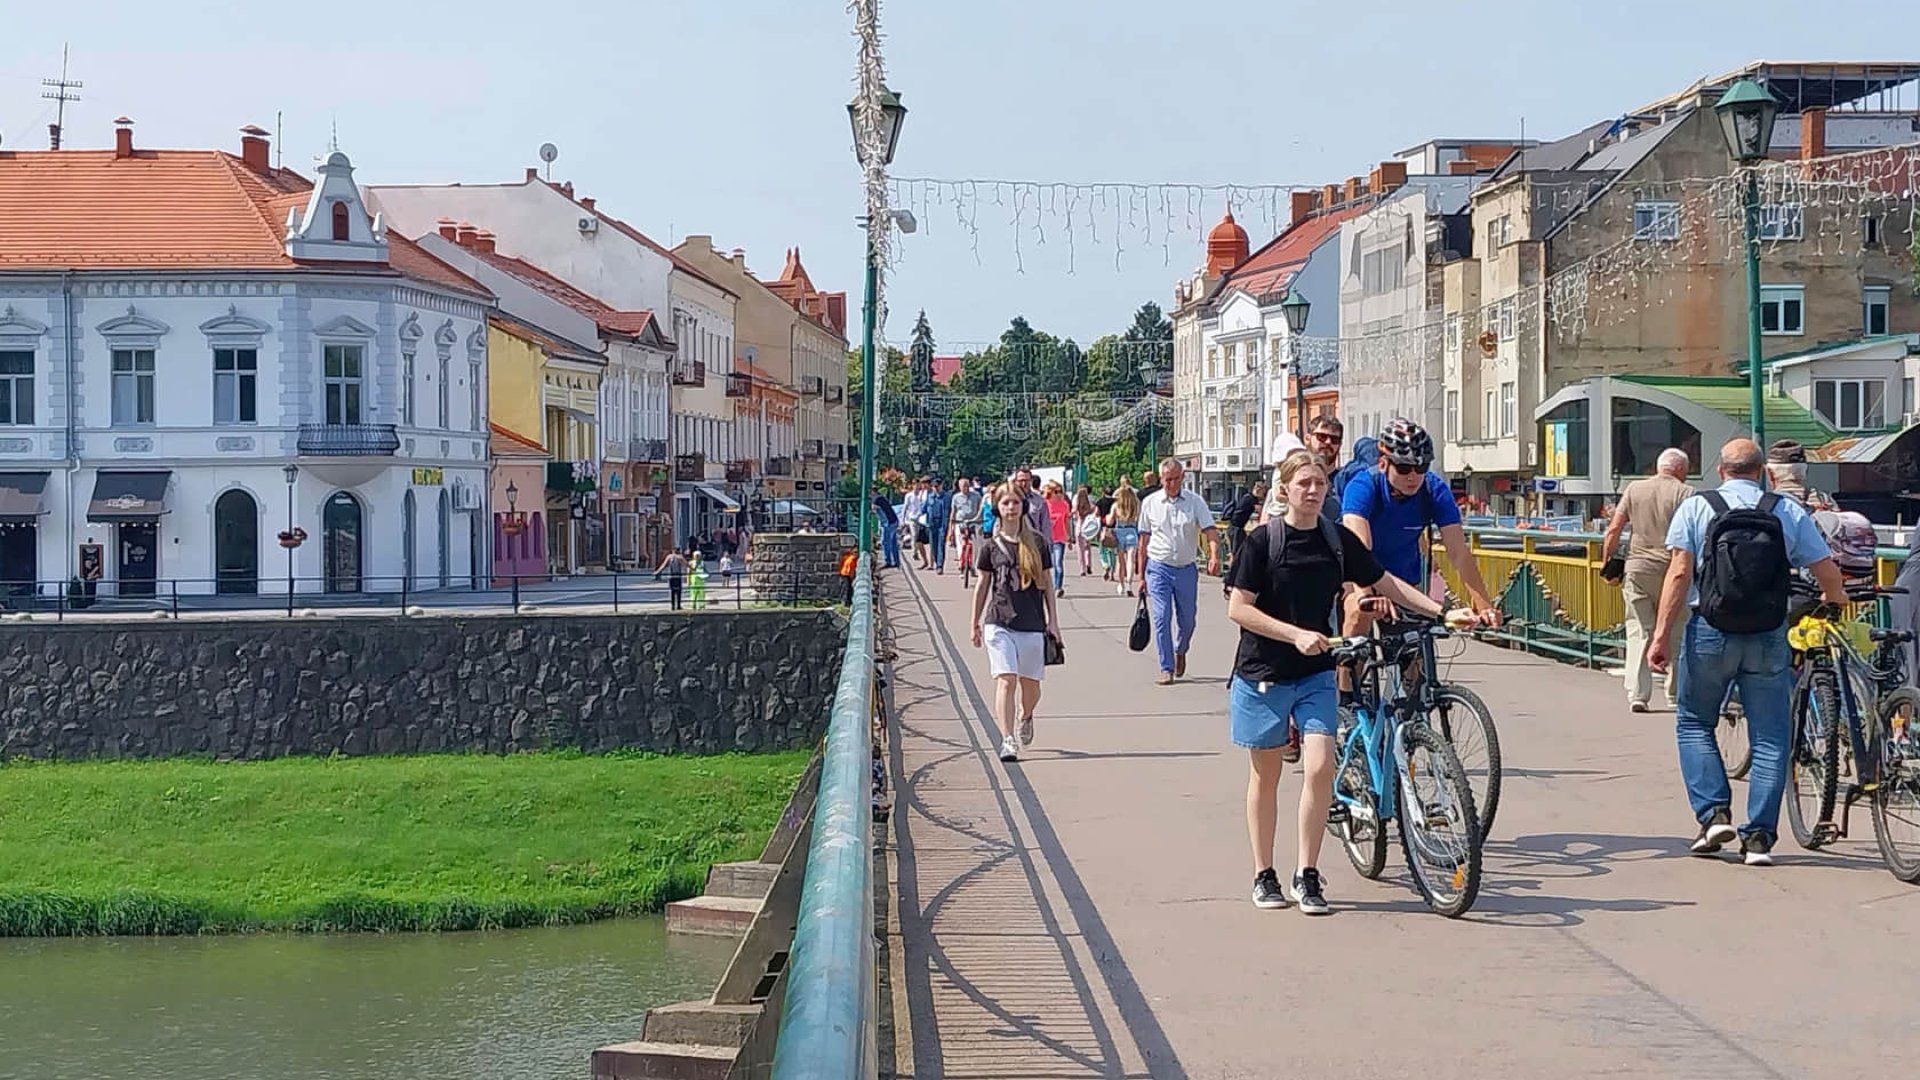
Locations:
{"points": [[936, 532], [1641, 590], [1760, 665], [1059, 564], [890, 543], [1171, 596]]}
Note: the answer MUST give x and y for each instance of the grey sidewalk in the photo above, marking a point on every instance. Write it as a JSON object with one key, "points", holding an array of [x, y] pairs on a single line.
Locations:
{"points": [[1084, 913]]}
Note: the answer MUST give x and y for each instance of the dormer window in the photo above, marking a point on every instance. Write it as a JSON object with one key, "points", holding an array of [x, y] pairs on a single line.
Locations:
{"points": [[342, 227]]}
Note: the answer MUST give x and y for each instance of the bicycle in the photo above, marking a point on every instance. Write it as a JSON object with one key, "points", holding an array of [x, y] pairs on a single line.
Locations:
{"points": [[1463, 719], [967, 571], [1848, 669], [1393, 766]]}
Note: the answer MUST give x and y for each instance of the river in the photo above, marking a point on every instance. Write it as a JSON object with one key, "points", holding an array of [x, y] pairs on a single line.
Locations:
{"points": [[504, 1005]]}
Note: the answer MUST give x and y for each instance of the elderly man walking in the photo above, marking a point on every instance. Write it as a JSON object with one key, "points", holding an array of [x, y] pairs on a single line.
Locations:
{"points": [[1172, 521], [1732, 550], [1647, 505]]}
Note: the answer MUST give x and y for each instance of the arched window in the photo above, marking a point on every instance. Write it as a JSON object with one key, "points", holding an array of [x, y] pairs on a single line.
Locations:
{"points": [[236, 543], [445, 523], [342, 225], [407, 539], [340, 526]]}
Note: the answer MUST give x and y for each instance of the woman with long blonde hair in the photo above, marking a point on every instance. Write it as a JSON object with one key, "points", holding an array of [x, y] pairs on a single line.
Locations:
{"points": [[1125, 522], [1013, 612]]}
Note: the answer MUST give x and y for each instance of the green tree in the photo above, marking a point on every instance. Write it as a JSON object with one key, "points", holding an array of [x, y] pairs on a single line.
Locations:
{"points": [[1151, 338], [920, 374]]}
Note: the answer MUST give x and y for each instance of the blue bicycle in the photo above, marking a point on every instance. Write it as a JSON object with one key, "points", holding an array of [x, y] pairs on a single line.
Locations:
{"points": [[1394, 766]]}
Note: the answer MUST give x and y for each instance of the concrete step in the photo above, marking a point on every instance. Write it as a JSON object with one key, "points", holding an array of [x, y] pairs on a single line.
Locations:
{"points": [[661, 1061], [719, 916], [700, 1023], [745, 880]]}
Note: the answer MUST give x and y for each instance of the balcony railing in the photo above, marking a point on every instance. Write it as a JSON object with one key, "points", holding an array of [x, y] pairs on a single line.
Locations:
{"points": [[739, 384], [690, 373], [348, 440], [739, 472], [647, 451], [780, 466], [689, 467], [811, 448]]}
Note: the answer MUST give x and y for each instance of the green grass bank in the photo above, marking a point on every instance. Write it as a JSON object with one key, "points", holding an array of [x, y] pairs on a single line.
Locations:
{"points": [[428, 842]]}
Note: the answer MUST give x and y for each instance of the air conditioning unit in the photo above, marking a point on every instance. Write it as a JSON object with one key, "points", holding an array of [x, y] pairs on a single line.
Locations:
{"points": [[589, 225]]}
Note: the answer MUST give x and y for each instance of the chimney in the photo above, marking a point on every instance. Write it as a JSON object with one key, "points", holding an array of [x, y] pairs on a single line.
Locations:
{"points": [[532, 174], [1299, 207], [122, 138], [837, 311], [253, 149], [448, 229], [483, 241], [1356, 187], [1813, 134], [739, 258], [1387, 176], [567, 189], [1330, 196], [586, 203], [1462, 167], [463, 234]]}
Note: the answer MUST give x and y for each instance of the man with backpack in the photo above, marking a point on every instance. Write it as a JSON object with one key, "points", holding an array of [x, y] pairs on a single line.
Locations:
{"points": [[1733, 551]]}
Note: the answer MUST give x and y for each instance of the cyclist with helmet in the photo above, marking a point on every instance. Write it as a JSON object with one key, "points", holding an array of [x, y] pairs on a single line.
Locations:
{"points": [[1391, 507]]}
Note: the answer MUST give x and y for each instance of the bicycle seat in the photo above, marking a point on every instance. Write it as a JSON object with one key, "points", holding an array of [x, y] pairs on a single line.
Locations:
{"points": [[1898, 637]]}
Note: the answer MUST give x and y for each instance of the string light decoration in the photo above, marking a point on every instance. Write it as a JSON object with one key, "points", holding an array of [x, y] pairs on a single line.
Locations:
{"points": [[871, 137]]}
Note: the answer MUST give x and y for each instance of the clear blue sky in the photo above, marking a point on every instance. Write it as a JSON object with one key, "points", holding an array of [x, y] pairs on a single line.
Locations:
{"points": [[728, 116]]}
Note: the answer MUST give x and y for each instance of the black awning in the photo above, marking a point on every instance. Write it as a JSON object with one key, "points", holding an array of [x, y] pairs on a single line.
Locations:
{"points": [[128, 496], [22, 495]]}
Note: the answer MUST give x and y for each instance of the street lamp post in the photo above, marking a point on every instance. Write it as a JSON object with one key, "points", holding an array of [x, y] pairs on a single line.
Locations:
{"points": [[291, 540], [1746, 112], [1149, 377], [1296, 307], [513, 527], [893, 116]]}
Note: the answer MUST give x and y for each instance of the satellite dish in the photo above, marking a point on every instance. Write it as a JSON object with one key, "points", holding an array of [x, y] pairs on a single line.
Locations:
{"points": [[548, 152]]}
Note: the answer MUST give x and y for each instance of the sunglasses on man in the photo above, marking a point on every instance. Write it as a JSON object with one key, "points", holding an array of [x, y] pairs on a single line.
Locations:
{"points": [[1408, 470], [1327, 436]]}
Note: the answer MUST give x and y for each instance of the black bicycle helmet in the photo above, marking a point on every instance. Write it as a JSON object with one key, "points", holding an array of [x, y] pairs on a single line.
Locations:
{"points": [[1406, 443]]}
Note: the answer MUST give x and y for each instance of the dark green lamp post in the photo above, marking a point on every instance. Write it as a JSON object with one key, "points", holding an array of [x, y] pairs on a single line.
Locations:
{"points": [[1296, 308], [1746, 113], [893, 116]]}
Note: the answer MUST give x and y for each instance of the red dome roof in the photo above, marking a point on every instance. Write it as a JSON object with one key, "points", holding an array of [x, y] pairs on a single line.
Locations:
{"points": [[1226, 246]]}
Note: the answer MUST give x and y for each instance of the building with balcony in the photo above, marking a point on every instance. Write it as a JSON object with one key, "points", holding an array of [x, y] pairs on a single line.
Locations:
{"points": [[199, 350], [763, 429], [1615, 251]]}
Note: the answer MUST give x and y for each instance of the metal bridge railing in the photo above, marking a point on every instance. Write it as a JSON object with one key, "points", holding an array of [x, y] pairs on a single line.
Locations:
{"points": [[828, 1020]]}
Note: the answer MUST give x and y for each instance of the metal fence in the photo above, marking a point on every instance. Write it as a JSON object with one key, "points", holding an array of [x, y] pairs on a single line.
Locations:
{"points": [[828, 1022]]}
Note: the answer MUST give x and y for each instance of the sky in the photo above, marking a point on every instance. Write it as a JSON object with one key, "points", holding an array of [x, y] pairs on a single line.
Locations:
{"points": [[728, 117]]}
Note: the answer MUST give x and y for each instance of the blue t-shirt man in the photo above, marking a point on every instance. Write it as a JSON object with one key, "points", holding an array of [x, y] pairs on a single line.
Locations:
{"points": [[1398, 523]]}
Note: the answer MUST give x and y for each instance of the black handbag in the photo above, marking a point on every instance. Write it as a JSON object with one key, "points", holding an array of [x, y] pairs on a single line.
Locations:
{"points": [[1056, 651], [1614, 569], [1141, 635]]}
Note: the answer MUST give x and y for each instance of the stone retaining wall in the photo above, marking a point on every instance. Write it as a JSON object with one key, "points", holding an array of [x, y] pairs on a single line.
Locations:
{"points": [[799, 567], [266, 687]]}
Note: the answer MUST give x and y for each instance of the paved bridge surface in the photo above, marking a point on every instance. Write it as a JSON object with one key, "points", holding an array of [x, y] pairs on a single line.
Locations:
{"points": [[1084, 913]]}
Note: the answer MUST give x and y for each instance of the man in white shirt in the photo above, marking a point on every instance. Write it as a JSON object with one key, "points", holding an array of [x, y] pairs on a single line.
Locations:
{"points": [[1172, 521]]}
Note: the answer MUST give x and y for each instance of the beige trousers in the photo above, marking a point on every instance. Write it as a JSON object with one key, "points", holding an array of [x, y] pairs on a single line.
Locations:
{"points": [[1641, 589]]}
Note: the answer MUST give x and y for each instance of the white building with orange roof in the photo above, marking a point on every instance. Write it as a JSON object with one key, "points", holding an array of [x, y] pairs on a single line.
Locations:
{"points": [[199, 350]]}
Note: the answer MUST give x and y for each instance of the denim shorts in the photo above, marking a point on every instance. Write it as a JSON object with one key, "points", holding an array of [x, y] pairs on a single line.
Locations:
{"points": [[1259, 721], [1126, 536]]}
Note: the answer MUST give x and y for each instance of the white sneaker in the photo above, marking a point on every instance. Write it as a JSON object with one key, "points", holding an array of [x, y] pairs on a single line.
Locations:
{"points": [[1026, 731], [1009, 749]]}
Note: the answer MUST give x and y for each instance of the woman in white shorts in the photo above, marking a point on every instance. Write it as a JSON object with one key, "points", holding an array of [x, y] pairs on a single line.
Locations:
{"points": [[1012, 615]]}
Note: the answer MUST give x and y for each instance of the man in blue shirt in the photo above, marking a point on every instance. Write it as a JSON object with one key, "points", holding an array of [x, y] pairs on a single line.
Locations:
{"points": [[1760, 664], [939, 503], [1390, 508]]}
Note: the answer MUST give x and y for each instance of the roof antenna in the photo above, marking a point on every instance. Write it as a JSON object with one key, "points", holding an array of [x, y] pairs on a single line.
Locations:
{"points": [[279, 139], [548, 152], [333, 146], [62, 91]]}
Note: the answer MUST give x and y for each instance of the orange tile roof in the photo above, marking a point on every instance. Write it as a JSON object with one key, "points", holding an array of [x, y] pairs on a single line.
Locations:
{"points": [[824, 309], [1270, 270], [504, 443], [166, 210]]}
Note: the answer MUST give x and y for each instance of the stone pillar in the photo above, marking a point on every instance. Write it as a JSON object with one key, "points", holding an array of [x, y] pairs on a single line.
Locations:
{"points": [[799, 567]]}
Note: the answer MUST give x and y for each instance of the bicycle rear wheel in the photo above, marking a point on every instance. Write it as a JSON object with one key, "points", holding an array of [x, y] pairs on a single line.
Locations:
{"points": [[1896, 800], [1363, 835], [1736, 749], [1465, 721], [1439, 828], [1814, 757]]}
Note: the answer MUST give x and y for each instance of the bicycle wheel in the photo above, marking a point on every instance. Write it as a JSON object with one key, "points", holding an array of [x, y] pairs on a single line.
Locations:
{"points": [[1466, 722], [1814, 757], [1736, 749], [1439, 829], [1363, 834], [1896, 800]]}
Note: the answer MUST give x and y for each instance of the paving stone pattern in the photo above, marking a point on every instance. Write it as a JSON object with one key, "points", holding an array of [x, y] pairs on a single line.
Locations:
{"points": [[264, 688]]}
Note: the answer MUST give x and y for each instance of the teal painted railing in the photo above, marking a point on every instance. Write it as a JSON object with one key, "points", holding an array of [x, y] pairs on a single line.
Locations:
{"points": [[827, 1024]]}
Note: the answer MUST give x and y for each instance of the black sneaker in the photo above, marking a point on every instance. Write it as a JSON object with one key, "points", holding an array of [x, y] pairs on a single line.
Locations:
{"points": [[1307, 894], [1756, 850], [1717, 833], [1266, 890]]}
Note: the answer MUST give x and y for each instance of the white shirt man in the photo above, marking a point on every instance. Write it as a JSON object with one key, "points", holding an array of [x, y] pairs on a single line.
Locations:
{"points": [[1172, 521]]}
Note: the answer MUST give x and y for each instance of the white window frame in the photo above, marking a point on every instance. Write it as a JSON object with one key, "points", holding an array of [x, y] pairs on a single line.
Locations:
{"points": [[1870, 230], [242, 378], [1508, 317], [1876, 296], [1509, 413], [133, 368], [408, 373], [1779, 297], [1453, 416], [1865, 392], [16, 388], [1782, 221], [1657, 220], [1488, 419], [357, 383], [476, 400]]}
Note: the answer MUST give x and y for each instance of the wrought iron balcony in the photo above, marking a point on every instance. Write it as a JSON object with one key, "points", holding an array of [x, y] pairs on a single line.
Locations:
{"points": [[739, 472], [690, 467], [811, 448], [739, 384], [647, 451], [780, 466], [348, 440]]}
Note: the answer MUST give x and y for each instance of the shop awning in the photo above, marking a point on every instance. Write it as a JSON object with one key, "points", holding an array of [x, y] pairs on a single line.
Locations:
{"points": [[726, 501], [22, 496], [128, 496]]}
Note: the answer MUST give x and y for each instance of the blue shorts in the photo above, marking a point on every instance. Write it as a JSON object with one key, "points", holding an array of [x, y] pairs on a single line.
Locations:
{"points": [[1126, 536], [1259, 721]]}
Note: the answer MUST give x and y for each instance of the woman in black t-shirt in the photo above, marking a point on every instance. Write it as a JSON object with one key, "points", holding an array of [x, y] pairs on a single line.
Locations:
{"points": [[1012, 615], [1283, 674]]}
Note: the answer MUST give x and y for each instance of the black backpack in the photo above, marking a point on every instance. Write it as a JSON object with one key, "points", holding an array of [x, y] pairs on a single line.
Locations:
{"points": [[1276, 527], [1743, 570]]}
